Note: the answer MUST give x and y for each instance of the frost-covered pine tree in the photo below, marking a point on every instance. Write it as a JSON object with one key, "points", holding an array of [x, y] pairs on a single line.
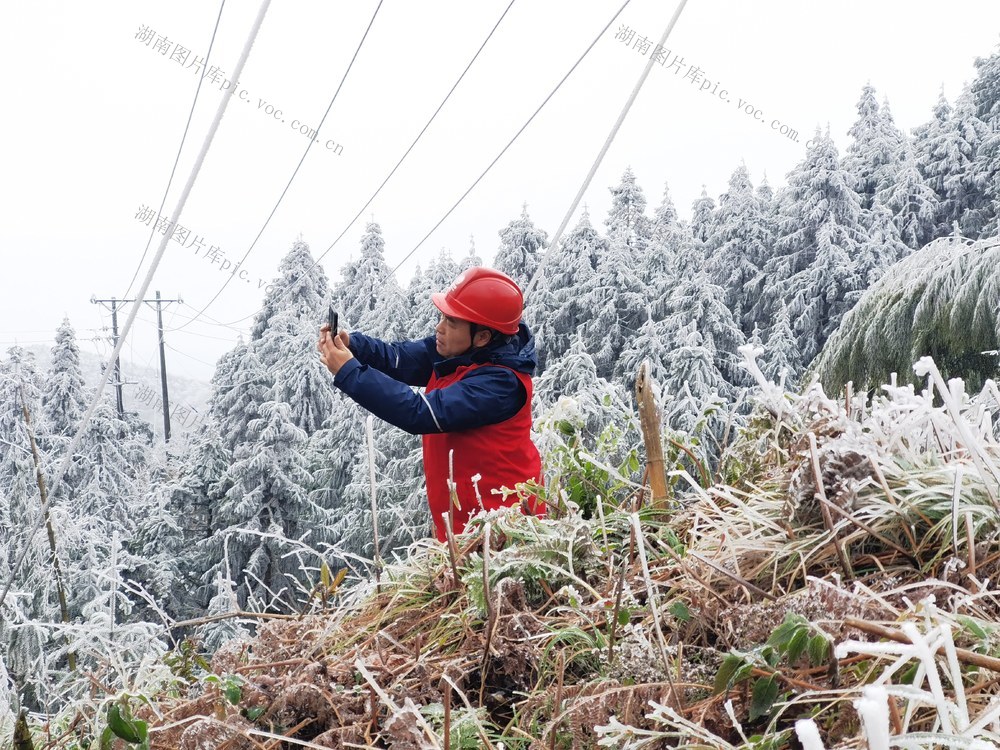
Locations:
{"points": [[112, 472], [241, 386], [19, 386], [302, 290], [874, 154], [352, 532], [286, 346], [20, 512], [649, 343], [521, 246], [264, 513], [699, 303], [627, 222], [192, 497], [64, 396], [947, 149], [881, 248], [912, 203], [421, 315], [815, 271], [703, 216], [618, 294], [560, 305], [928, 144], [368, 297], [661, 264], [741, 240], [692, 380], [782, 358], [470, 259], [581, 412], [985, 93], [966, 189]]}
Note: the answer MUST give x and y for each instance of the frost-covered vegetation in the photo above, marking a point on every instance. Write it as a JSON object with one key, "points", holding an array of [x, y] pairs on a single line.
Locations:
{"points": [[231, 591]]}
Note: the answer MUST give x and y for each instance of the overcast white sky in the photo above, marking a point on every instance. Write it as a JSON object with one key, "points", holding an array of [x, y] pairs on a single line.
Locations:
{"points": [[92, 118]]}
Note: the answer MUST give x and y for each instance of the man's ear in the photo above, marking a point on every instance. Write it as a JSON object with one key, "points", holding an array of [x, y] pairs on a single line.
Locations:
{"points": [[482, 338]]}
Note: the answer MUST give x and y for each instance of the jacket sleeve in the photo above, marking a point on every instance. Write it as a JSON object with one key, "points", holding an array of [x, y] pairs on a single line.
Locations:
{"points": [[485, 396], [409, 362]]}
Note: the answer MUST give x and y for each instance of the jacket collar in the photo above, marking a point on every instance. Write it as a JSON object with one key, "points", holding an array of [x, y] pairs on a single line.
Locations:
{"points": [[481, 356]]}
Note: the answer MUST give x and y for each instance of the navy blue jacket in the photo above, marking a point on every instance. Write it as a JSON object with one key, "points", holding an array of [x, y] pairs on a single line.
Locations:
{"points": [[379, 376]]}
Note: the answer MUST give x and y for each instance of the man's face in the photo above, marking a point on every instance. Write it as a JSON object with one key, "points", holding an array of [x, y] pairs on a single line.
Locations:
{"points": [[453, 336]]}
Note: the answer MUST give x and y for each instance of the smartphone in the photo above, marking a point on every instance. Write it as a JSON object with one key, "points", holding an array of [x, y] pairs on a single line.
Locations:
{"points": [[331, 318]]}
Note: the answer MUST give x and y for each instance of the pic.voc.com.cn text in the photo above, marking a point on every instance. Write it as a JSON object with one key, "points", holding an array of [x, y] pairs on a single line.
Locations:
{"points": [[215, 75], [673, 62]]}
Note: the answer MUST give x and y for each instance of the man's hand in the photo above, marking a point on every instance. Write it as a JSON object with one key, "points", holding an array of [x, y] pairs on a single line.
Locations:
{"points": [[333, 351]]}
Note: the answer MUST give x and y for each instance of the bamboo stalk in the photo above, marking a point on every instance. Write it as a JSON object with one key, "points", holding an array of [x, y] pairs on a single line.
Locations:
{"points": [[649, 422], [371, 479]]}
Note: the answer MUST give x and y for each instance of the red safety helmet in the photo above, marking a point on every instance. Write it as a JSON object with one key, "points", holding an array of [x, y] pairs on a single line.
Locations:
{"points": [[483, 296]]}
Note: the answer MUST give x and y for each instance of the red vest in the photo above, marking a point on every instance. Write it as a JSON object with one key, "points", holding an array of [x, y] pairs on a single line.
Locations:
{"points": [[501, 453]]}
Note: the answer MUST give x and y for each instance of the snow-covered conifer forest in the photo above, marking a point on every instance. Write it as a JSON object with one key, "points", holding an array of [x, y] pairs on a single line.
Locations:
{"points": [[807, 500]]}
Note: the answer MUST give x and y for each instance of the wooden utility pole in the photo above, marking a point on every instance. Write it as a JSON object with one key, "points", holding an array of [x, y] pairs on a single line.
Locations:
{"points": [[163, 360], [114, 343], [649, 423], [163, 364]]}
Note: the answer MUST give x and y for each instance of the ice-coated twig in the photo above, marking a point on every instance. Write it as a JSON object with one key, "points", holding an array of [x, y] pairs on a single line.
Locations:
{"points": [[873, 708], [808, 734], [950, 396]]}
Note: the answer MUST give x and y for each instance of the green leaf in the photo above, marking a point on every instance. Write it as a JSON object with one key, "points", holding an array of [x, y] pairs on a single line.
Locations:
{"points": [[121, 726], [680, 610], [973, 627], [254, 713], [233, 692], [762, 697], [624, 617], [324, 575], [728, 673], [797, 645], [909, 675], [783, 633], [819, 649]]}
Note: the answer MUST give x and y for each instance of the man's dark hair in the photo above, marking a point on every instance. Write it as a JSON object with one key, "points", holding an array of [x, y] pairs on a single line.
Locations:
{"points": [[495, 336]]}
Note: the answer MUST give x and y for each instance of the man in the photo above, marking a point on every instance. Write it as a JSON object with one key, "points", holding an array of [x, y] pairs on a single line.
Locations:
{"points": [[475, 414]]}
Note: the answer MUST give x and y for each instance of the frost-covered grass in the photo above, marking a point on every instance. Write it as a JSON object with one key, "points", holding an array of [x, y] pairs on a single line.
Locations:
{"points": [[836, 582]]}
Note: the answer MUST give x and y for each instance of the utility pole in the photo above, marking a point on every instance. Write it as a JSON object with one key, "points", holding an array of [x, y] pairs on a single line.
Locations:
{"points": [[114, 343], [163, 364], [115, 303]]}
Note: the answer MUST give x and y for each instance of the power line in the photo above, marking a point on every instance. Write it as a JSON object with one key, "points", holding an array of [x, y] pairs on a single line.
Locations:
{"points": [[180, 148], [516, 136], [491, 164], [405, 154], [604, 149], [85, 420], [297, 166]]}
